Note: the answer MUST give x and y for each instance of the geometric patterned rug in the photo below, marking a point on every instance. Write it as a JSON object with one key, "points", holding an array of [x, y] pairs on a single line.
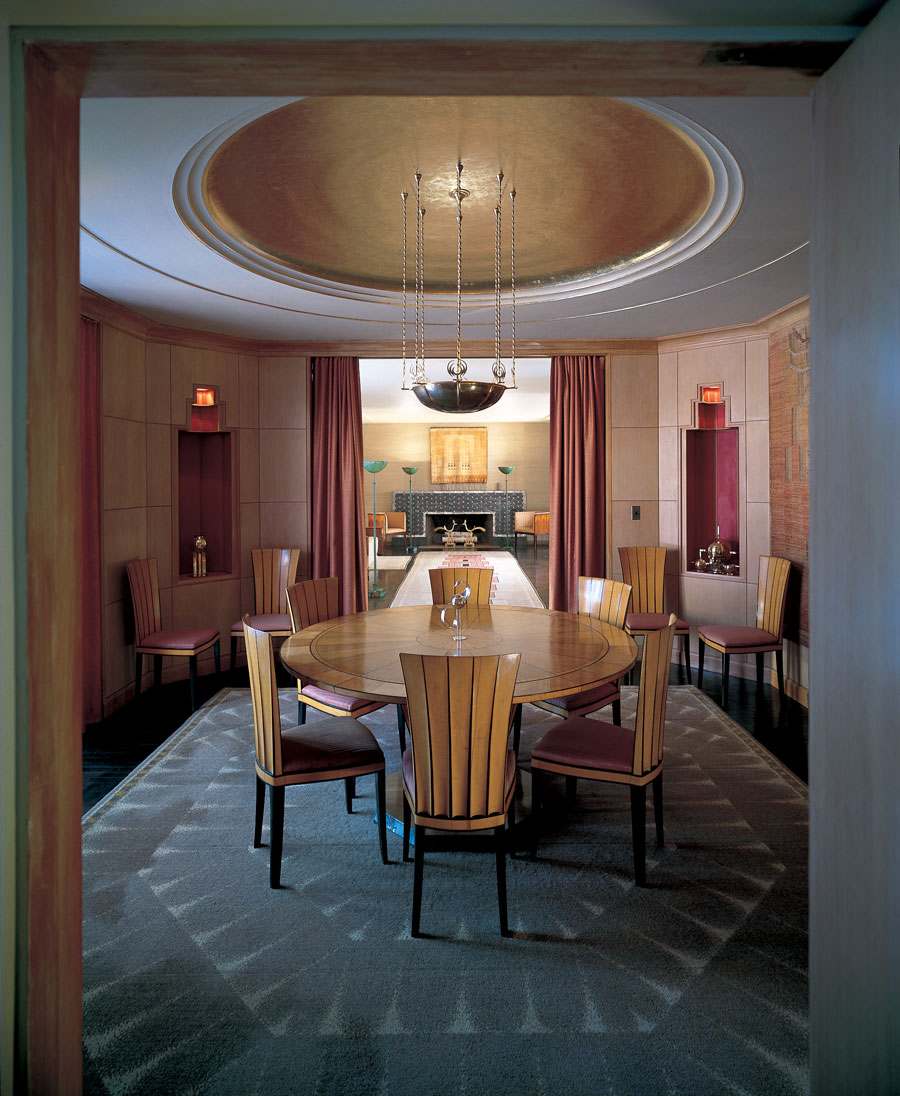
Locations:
{"points": [[200, 979]]}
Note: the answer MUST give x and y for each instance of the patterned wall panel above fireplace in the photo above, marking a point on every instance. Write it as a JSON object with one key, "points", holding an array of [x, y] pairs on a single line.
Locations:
{"points": [[455, 503]]}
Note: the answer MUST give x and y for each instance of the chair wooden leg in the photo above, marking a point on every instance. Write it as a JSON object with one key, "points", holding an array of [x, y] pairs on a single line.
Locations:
{"points": [[349, 791], [276, 835], [260, 809], [759, 668], [536, 794], [192, 674], [779, 669], [686, 649], [138, 672], [301, 713], [617, 712], [217, 656], [418, 873], [701, 651], [500, 849], [658, 811], [233, 653], [639, 832], [380, 788], [407, 821], [571, 790], [516, 544], [726, 668], [517, 740], [157, 671], [401, 729]]}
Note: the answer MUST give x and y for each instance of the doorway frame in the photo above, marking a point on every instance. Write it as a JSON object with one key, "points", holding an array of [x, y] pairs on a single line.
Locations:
{"points": [[51, 69]]}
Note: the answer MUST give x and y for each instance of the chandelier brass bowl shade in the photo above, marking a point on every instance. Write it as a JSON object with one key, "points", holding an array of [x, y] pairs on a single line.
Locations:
{"points": [[460, 398]]}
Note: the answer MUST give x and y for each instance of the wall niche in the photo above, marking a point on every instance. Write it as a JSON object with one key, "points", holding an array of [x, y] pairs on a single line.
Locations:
{"points": [[205, 500], [712, 487]]}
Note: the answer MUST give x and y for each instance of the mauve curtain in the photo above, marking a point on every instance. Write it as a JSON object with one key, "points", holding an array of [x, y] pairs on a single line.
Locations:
{"points": [[577, 475], [338, 513], [91, 598]]}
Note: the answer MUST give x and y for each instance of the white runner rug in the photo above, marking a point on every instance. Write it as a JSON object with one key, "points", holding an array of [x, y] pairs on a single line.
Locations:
{"points": [[511, 585]]}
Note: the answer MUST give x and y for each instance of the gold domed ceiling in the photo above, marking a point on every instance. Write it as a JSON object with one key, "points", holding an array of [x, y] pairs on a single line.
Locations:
{"points": [[315, 186]]}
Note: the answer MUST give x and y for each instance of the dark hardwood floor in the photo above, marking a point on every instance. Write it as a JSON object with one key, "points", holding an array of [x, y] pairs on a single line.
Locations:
{"points": [[112, 748]]}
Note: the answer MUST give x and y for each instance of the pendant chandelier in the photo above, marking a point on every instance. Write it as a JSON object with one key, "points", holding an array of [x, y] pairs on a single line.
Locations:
{"points": [[460, 394]]}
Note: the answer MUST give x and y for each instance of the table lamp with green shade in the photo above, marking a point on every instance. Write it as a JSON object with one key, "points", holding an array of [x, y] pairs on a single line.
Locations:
{"points": [[410, 470], [507, 469], [373, 467]]}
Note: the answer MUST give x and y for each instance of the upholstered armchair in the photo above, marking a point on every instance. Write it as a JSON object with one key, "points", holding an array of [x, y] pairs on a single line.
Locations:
{"points": [[767, 635], [530, 523], [388, 524]]}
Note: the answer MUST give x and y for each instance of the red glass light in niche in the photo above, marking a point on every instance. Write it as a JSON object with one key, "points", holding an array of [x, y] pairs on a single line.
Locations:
{"points": [[710, 393], [204, 396]]}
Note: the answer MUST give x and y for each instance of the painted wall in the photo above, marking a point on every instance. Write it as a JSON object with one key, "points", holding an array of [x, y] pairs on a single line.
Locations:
{"points": [[855, 591], [523, 444], [146, 391]]}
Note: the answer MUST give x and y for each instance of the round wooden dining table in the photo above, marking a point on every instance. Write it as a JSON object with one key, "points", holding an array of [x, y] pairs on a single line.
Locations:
{"points": [[359, 655]]}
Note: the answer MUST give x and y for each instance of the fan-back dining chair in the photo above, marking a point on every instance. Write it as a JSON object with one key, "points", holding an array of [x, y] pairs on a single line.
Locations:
{"points": [[768, 635], [150, 639], [274, 569], [604, 599], [311, 602], [334, 749], [644, 569], [478, 579], [460, 774], [590, 750]]}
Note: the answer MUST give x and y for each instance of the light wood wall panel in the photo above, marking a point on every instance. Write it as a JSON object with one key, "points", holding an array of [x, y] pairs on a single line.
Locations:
{"points": [[147, 385]]}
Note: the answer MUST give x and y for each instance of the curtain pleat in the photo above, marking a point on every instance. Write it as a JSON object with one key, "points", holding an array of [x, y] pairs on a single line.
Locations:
{"points": [[577, 475], [338, 513]]}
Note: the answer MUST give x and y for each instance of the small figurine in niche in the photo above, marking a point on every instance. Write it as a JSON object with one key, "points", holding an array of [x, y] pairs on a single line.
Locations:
{"points": [[199, 556]]}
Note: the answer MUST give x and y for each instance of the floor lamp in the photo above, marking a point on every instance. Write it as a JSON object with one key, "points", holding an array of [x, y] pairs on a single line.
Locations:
{"points": [[410, 470], [506, 469], [373, 467]]}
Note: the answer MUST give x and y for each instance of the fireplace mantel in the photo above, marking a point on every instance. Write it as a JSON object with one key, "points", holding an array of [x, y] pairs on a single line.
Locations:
{"points": [[498, 503]]}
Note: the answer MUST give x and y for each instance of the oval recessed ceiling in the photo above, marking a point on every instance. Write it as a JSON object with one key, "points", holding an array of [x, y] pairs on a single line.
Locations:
{"points": [[608, 191]]}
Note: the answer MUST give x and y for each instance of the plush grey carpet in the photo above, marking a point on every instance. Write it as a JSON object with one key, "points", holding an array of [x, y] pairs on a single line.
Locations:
{"points": [[200, 979]]}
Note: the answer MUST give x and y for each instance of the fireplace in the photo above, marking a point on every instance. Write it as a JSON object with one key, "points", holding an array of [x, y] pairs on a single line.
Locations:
{"points": [[434, 520], [492, 509]]}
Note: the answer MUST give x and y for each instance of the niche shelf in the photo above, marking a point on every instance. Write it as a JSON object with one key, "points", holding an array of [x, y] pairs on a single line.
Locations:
{"points": [[712, 482]]}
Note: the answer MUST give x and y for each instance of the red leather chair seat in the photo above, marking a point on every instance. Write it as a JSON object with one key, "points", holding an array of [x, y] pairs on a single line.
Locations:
{"points": [[335, 700], [333, 744], [587, 744], [187, 639], [652, 622], [409, 772], [597, 698], [266, 622], [739, 638]]}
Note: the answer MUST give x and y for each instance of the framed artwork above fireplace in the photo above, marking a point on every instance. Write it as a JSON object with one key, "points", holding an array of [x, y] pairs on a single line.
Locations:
{"points": [[458, 454]]}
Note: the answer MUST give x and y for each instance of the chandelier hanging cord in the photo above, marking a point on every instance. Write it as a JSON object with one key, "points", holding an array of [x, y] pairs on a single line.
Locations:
{"points": [[458, 368], [512, 281], [499, 369], [403, 197]]}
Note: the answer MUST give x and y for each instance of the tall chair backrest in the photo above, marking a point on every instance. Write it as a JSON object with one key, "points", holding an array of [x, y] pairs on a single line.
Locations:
{"points": [[264, 695], [143, 580], [650, 717], [478, 579], [604, 599], [774, 572], [312, 601], [459, 714], [644, 569], [274, 569]]}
